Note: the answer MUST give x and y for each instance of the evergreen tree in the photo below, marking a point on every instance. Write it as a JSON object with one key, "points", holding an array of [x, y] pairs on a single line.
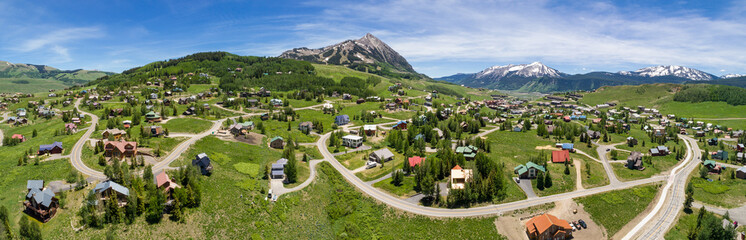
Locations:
{"points": [[689, 197], [547, 180], [291, 171], [540, 181]]}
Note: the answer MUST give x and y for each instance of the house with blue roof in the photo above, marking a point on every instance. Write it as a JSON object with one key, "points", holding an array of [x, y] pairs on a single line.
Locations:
{"points": [[568, 146], [54, 148], [203, 162], [111, 190], [41, 203], [342, 120], [401, 125]]}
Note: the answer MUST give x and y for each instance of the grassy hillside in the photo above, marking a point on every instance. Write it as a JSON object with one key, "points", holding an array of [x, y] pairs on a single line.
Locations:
{"points": [[39, 78]]}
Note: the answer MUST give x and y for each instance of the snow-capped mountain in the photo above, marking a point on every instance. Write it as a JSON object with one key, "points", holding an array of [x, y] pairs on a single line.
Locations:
{"points": [[366, 50], [677, 71], [732, 75], [533, 70]]}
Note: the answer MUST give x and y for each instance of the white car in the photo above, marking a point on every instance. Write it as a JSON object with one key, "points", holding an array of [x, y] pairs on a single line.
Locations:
{"points": [[370, 165], [573, 227]]}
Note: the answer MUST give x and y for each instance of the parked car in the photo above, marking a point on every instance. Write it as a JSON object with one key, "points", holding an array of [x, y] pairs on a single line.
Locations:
{"points": [[582, 223], [269, 195], [573, 227], [370, 165]]}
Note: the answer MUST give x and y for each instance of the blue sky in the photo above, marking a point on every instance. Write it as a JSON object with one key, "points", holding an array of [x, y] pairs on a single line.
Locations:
{"points": [[437, 37]]}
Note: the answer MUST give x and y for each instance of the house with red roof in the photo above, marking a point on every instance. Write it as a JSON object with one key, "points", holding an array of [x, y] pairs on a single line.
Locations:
{"points": [[560, 156], [19, 137], [165, 183], [416, 160], [548, 226], [120, 149]]}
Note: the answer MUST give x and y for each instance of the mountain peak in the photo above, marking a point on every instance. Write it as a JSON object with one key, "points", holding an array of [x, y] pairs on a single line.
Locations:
{"points": [[366, 50], [671, 70], [532, 70]]}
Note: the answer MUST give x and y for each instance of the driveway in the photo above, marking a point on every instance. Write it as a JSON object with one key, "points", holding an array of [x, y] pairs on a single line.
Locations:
{"points": [[527, 188], [361, 148]]}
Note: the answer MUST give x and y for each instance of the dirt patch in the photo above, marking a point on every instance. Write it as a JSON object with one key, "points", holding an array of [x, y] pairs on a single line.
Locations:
{"points": [[251, 138], [513, 224], [547, 147], [564, 210]]}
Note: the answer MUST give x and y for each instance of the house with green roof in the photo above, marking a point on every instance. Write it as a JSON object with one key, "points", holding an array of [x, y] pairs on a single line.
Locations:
{"points": [[277, 142], [469, 152], [152, 117], [529, 170]]}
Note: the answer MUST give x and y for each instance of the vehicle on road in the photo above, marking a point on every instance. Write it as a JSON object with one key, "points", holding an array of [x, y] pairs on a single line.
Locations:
{"points": [[608, 149]]}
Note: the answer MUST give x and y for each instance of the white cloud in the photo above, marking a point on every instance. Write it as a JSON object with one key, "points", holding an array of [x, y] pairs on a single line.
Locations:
{"points": [[596, 35], [54, 42]]}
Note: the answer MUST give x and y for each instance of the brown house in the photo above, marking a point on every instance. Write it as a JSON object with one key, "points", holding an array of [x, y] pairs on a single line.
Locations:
{"points": [[547, 226], [41, 203], [120, 149], [114, 134]]}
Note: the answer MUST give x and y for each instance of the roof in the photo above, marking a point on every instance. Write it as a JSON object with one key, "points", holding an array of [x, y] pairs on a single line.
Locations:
{"points": [[282, 161], [277, 172], [560, 156], [342, 118], [163, 179], [114, 186], [121, 145], [276, 138], [459, 173], [709, 162], [537, 166], [416, 160], [457, 167], [369, 127], [741, 169], [35, 184], [43, 197], [540, 224], [383, 153], [17, 136], [634, 156], [352, 137], [47, 147], [277, 166], [114, 131], [567, 145]]}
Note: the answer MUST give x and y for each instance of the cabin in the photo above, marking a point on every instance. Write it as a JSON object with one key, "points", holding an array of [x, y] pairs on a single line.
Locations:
{"points": [[401, 125], [204, 163], [277, 142], [415, 160], [459, 177], [712, 166], [548, 227], [120, 149], [631, 141], [529, 170], [342, 120], [156, 131], [113, 134], [370, 130], [165, 183], [71, 127], [41, 203], [469, 152], [561, 156], [659, 151], [381, 155], [275, 102], [305, 126], [152, 117], [634, 161], [18, 137], [241, 128], [54, 148], [278, 169], [593, 134], [741, 173], [719, 155], [352, 141], [108, 190]]}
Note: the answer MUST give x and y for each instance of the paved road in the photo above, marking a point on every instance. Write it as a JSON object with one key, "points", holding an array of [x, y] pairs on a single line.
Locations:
{"points": [[601, 150], [736, 214], [76, 152], [464, 212], [671, 201], [278, 188]]}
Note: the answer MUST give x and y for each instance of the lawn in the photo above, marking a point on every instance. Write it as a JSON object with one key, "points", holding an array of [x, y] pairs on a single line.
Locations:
{"points": [[303, 173], [597, 175], [353, 160], [382, 169], [275, 128], [405, 190], [722, 191], [605, 208], [659, 164], [187, 125], [560, 181], [45, 135]]}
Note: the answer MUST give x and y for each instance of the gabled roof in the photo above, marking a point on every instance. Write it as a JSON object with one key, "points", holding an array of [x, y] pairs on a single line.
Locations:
{"points": [[162, 179], [352, 137], [342, 118], [383, 153], [276, 138], [47, 147], [416, 160], [540, 224], [369, 127], [741, 169], [282, 161], [560, 156], [567, 146], [34, 184], [43, 197], [108, 184], [121, 145]]}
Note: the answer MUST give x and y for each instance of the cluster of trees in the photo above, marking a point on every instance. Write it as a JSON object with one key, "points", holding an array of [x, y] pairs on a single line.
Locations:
{"points": [[709, 226], [144, 198], [487, 184], [715, 93], [291, 169]]}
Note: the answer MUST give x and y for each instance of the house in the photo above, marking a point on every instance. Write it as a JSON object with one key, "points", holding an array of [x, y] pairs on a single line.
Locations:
{"points": [[370, 130], [20, 137], [568, 146], [712, 141], [593, 134], [71, 127], [204, 163], [360, 100], [548, 226], [241, 128], [740, 147], [111, 190], [53, 148], [416, 160], [560, 156], [153, 96], [41, 203], [152, 117], [264, 116], [469, 152], [305, 126], [127, 123], [459, 177], [275, 102], [659, 151], [529, 171], [342, 120], [720, 155], [352, 141], [113, 134], [401, 125], [634, 161], [712, 166], [741, 173], [165, 183], [277, 142], [631, 141], [156, 131], [120, 149], [381, 155], [517, 128], [278, 169], [740, 156]]}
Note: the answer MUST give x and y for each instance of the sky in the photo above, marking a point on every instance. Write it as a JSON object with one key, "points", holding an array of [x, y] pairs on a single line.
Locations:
{"points": [[438, 38]]}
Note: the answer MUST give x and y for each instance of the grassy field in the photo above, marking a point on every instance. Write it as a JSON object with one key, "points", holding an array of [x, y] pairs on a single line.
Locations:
{"points": [[354, 160], [605, 207], [660, 164], [382, 170], [560, 182], [685, 224], [34, 85], [597, 175], [187, 125], [405, 190], [45, 135], [722, 191]]}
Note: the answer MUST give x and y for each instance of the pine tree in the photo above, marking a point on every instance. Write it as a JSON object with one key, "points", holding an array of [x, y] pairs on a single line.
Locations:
{"points": [[291, 171], [689, 197], [567, 169], [540, 181], [547, 180]]}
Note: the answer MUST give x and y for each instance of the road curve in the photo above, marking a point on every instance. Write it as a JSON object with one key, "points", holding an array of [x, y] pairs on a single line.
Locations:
{"points": [[75, 154], [662, 217], [464, 212]]}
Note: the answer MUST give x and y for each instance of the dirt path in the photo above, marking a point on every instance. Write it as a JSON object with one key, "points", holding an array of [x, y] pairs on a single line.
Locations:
{"points": [[578, 176]]}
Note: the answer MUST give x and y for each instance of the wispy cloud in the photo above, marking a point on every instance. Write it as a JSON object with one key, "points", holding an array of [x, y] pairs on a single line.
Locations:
{"points": [[59, 37]]}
